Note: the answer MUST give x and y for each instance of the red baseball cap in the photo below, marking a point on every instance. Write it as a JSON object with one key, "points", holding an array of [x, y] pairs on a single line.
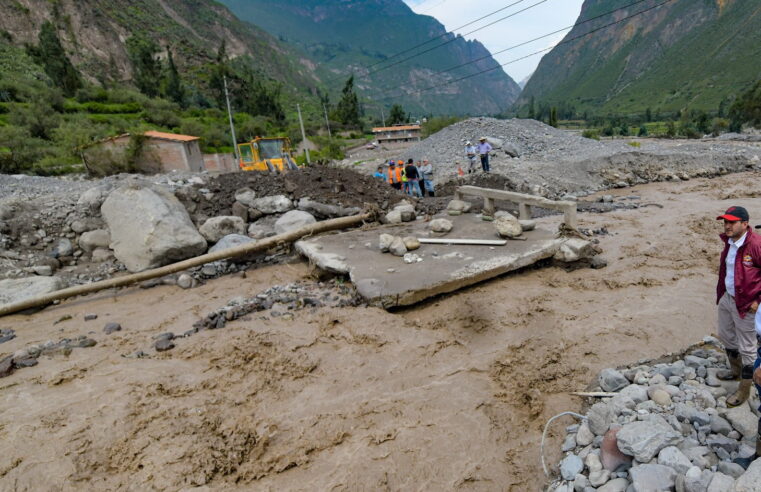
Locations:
{"points": [[734, 214]]}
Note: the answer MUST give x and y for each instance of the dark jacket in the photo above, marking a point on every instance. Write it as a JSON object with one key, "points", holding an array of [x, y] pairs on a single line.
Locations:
{"points": [[747, 272], [411, 172]]}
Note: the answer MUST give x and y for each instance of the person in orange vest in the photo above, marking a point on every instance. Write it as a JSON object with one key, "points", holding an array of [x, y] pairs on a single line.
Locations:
{"points": [[394, 175]]}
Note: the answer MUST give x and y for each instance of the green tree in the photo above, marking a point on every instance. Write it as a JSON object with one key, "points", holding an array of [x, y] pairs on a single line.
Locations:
{"points": [[397, 115], [642, 131], [532, 108], [219, 71], [174, 89], [347, 110], [257, 98], [670, 129], [50, 54], [145, 64], [746, 109], [554, 117]]}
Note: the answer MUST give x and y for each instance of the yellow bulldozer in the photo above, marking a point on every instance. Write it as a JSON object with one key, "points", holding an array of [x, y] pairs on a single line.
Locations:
{"points": [[271, 154]]}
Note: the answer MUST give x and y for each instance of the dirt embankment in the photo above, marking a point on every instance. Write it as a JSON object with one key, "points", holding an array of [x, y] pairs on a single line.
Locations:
{"points": [[451, 394]]}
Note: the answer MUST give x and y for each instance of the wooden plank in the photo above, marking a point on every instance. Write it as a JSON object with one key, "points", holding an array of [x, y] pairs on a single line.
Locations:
{"points": [[592, 394], [473, 242]]}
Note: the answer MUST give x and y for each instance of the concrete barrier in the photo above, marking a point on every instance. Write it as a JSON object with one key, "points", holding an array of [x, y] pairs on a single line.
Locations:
{"points": [[525, 202]]}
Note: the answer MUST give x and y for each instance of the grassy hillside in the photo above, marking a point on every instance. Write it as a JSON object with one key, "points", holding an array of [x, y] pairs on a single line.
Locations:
{"points": [[348, 37], [687, 54]]}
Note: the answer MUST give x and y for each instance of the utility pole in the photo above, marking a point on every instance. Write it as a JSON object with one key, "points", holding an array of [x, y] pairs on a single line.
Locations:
{"points": [[327, 121], [303, 134], [383, 116], [232, 126]]}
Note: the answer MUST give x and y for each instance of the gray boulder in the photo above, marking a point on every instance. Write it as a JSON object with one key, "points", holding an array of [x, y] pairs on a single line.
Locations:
{"points": [[599, 418], [721, 483], [459, 206], [293, 220], [246, 197], [232, 241], [18, 289], [743, 420], [612, 380], [150, 227], [216, 228], [651, 478], [508, 226], [397, 247], [92, 199], [440, 225], [99, 238], [751, 479], [673, 458], [384, 242], [615, 485], [644, 439], [260, 231], [62, 248], [696, 480], [574, 249], [394, 217], [272, 204], [571, 466]]}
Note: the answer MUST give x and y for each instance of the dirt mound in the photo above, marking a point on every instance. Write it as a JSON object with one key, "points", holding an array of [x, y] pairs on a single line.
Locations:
{"points": [[335, 186]]}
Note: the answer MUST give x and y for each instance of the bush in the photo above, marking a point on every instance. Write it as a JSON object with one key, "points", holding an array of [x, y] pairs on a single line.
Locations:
{"points": [[719, 126], [636, 145], [590, 133], [642, 131]]}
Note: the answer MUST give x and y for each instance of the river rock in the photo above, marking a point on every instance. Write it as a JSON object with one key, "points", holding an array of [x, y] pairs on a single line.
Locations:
{"points": [[644, 439], [721, 483], [650, 478], [508, 226], [385, 241], [584, 436], [615, 485], [99, 238], [394, 217], [13, 290], [672, 457], [246, 197], [571, 466], [293, 220], [599, 418], [743, 419], [260, 231], [696, 480], [636, 392], [62, 248], [233, 241], [111, 328], [750, 481], [411, 242], [150, 227], [612, 380], [92, 199], [185, 281], [440, 225], [397, 247], [459, 206], [163, 344], [527, 224], [720, 425], [272, 204], [216, 228], [574, 249]]}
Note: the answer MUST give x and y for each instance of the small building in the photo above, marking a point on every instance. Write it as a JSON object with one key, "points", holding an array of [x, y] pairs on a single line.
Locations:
{"points": [[158, 152], [397, 133]]}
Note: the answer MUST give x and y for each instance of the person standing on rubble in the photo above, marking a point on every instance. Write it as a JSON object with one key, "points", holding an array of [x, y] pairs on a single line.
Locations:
{"points": [[484, 148], [426, 171], [379, 173], [413, 179], [737, 294], [470, 152], [394, 175]]}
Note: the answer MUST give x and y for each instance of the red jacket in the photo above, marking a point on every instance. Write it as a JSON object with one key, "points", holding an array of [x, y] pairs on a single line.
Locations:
{"points": [[747, 272]]}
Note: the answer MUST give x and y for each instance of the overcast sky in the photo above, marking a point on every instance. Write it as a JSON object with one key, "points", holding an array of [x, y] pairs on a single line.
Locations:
{"points": [[546, 17]]}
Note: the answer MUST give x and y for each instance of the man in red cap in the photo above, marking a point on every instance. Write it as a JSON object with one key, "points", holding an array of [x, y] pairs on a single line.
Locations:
{"points": [[738, 294]]}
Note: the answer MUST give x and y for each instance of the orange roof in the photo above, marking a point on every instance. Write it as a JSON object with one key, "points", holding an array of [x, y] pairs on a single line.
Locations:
{"points": [[396, 128], [170, 136]]}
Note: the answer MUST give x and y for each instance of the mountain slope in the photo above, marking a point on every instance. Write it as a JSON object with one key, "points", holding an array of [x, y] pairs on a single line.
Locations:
{"points": [[94, 34], [684, 54], [347, 37]]}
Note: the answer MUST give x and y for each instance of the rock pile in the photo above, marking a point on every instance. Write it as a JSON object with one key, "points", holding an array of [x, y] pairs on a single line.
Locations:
{"points": [[667, 427]]}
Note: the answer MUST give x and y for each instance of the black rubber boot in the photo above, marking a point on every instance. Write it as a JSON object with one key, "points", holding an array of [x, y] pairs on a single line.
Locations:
{"points": [[745, 462]]}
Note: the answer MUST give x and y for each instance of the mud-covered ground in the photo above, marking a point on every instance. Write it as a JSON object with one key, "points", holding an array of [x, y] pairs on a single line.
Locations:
{"points": [[451, 394]]}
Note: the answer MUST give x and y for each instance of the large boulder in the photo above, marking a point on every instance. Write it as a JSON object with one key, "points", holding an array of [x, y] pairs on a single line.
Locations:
{"points": [[272, 204], [293, 220], [90, 240], [650, 477], [246, 197], [18, 289], [92, 199], [216, 228], [750, 481], [440, 225], [149, 227], [644, 439], [508, 226], [575, 249]]}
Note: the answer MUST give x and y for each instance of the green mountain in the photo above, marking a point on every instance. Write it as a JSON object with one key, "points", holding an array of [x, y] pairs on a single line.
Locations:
{"points": [[685, 54], [95, 33], [353, 37]]}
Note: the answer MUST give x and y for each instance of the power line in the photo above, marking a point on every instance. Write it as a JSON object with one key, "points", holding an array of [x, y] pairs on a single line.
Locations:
{"points": [[565, 41], [455, 38]]}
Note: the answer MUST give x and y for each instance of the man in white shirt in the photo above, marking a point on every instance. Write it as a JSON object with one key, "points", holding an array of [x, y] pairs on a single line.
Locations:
{"points": [[470, 152]]}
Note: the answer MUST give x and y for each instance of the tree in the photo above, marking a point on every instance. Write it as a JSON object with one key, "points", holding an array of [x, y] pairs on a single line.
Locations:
{"points": [[642, 131], [257, 98], [747, 108], [51, 55], [397, 115], [648, 115], [174, 88], [145, 64], [532, 109], [347, 109], [219, 71], [554, 117]]}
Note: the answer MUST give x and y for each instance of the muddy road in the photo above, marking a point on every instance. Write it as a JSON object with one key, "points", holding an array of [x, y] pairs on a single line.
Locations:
{"points": [[451, 394]]}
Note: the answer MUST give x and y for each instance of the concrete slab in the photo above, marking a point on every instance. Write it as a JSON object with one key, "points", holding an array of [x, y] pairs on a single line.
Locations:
{"points": [[386, 280]]}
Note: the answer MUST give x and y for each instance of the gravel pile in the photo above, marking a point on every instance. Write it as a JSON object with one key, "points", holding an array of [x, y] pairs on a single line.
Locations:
{"points": [[667, 427]]}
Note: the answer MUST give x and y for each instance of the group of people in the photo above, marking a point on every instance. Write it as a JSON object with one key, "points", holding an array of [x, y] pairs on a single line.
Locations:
{"points": [[414, 178], [738, 295]]}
